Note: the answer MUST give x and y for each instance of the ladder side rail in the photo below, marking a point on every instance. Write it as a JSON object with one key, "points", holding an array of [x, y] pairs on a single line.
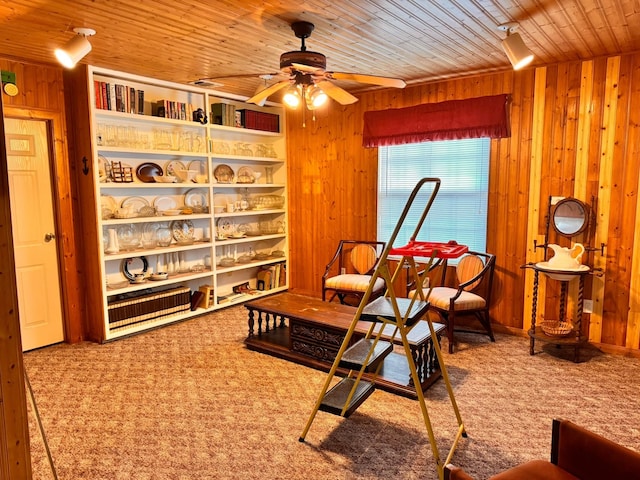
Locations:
{"points": [[428, 206], [421, 400], [339, 355], [406, 209]]}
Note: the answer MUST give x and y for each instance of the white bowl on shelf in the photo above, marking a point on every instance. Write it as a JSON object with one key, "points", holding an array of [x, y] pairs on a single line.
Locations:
{"points": [[186, 175], [171, 212], [165, 179]]}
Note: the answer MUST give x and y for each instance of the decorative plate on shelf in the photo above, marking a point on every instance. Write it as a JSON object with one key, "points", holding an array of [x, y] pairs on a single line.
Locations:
{"points": [[147, 172], [104, 169], [173, 166], [223, 173], [182, 231], [245, 175], [164, 203], [196, 166], [225, 226], [108, 205], [135, 202], [195, 198], [134, 266]]}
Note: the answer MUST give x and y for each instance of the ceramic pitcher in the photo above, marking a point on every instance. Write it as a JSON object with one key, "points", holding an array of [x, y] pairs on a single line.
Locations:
{"points": [[566, 258]]}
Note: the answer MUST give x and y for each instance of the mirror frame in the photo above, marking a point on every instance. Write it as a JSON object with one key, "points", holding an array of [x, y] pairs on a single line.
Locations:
{"points": [[571, 203]]}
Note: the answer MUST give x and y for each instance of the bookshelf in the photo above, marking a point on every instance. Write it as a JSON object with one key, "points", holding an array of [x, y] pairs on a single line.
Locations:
{"points": [[172, 206]]}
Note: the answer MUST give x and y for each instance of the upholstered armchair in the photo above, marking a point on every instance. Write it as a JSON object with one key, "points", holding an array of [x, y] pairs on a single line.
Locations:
{"points": [[576, 454], [470, 297], [348, 274]]}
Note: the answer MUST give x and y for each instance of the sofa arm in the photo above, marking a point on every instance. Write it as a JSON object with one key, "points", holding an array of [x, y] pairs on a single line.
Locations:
{"points": [[589, 456]]}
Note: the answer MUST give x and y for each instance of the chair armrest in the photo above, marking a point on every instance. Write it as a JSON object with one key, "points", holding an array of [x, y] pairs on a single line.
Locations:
{"points": [[488, 264], [331, 262], [589, 456], [451, 472]]}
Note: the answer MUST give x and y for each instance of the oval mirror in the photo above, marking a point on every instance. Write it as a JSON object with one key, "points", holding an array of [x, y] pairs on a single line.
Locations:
{"points": [[570, 217]]}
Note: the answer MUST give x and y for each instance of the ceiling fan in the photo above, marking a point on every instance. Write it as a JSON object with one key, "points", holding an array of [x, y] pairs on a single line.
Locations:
{"points": [[309, 82]]}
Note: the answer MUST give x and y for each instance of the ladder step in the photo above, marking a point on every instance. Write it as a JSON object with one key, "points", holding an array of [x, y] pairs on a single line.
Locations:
{"points": [[382, 307], [355, 355], [335, 399]]}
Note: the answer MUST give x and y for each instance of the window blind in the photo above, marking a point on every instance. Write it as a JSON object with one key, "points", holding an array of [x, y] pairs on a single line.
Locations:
{"points": [[460, 209]]}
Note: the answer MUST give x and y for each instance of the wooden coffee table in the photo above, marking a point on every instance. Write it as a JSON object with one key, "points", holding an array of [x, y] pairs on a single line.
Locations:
{"points": [[308, 331]]}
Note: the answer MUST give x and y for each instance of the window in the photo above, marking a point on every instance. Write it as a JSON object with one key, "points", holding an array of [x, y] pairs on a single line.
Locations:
{"points": [[459, 211]]}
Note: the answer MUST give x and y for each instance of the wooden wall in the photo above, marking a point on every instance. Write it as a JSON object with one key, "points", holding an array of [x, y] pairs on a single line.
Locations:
{"points": [[575, 132], [41, 96], [15, 458]]}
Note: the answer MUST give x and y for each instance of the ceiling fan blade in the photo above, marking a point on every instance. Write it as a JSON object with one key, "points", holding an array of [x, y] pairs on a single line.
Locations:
{"points": [[306, 68], [267, 92], [243, 75], [371, 79], [338, 94]]}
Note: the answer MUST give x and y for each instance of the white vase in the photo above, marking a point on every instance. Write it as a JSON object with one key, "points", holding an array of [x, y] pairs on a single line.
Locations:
{"points": [[113, 246]]}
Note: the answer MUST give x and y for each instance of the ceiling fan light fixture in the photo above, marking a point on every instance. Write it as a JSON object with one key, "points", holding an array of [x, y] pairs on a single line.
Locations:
{"points": [[75, 49], [514, 47], [292, 96], [315, 97]]}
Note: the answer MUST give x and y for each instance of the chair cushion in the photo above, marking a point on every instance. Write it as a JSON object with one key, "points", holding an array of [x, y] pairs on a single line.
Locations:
{"points": [[535, 470], [440, 297], [353, 282]]}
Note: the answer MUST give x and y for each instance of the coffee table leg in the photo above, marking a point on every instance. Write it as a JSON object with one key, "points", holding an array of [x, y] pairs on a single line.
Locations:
{"points": [[251, 322]]}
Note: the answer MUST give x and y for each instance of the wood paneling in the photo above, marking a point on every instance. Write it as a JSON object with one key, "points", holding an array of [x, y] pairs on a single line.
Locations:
{"points": [[350, 185], [41, 96], [574, 133], [418, 40], [15, 455]]}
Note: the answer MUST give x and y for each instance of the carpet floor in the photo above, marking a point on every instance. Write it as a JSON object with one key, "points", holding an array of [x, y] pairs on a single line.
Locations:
{"points": [[189, 401]]}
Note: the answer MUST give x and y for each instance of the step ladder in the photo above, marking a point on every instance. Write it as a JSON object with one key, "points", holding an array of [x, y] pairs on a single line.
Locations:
{"points": [[401, 314]]}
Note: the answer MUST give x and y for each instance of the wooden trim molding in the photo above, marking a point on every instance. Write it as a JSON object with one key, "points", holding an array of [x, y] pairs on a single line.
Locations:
{"points": [[71, 297]]}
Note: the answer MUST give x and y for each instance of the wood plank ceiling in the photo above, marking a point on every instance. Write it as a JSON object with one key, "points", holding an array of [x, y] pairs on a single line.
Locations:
{"points": [[417, 40]]}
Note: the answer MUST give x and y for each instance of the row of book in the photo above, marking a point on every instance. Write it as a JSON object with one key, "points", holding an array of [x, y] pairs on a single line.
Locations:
{"points": [[224, 114], [122, 98], [118, 98], [227, 114], [272, 277], [268, 122], [142, 308], [174, 110]]}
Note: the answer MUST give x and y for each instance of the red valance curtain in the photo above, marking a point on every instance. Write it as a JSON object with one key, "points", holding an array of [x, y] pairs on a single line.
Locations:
{"points": [[450, 120]]}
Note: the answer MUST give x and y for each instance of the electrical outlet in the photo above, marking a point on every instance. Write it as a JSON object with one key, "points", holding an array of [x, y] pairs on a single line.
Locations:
{"points": [[555, 200], [587, 306]]}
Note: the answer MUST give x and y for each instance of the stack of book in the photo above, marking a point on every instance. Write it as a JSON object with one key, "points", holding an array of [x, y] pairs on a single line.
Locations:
{"points": [[149, 306], [223, 114], [272, 276], [119, 98]]}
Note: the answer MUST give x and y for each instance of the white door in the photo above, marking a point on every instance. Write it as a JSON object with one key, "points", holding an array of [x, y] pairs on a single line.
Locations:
{"points": [[32, 221]]}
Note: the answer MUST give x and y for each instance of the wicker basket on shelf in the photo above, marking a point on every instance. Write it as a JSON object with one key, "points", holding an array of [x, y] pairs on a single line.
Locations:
{"points": [[553, 328]]}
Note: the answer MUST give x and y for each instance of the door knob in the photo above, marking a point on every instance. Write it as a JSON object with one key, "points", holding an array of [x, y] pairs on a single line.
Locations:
{"points": [[49, 236]]}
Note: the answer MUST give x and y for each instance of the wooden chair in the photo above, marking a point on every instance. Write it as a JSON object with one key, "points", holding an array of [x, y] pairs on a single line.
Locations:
{"points": [[348, 274], [472, 296], [576, 454]]}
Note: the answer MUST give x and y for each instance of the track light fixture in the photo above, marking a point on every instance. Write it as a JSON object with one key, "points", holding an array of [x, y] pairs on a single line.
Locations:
{"points": [[76, 48], [517, 52]]}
